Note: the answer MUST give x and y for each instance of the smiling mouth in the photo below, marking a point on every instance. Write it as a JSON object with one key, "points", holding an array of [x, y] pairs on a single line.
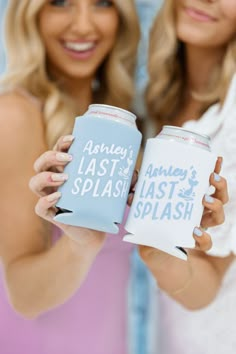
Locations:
{"points": [[199, 15], [79, 47]]}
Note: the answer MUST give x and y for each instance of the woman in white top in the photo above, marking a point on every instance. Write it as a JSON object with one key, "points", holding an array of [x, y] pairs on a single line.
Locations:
{"points": [[193, 84]]}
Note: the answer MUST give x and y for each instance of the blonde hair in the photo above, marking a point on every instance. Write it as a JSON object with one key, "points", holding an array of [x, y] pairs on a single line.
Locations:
{"points": [[164, 93], [26, 59]]}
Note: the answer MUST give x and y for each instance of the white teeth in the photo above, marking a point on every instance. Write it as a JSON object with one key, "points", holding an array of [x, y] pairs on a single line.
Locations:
{"points": [[80, 47]]}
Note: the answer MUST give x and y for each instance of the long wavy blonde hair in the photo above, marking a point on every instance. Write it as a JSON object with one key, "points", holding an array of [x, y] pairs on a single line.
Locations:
{"points": [[26, 65], [166, 70]]}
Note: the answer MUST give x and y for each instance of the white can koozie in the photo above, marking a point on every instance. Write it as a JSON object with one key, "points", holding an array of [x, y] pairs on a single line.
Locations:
{"points": [[168, 199]]}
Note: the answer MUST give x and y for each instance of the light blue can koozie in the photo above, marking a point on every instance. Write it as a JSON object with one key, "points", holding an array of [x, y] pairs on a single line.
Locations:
{"points": [[104, 151]]}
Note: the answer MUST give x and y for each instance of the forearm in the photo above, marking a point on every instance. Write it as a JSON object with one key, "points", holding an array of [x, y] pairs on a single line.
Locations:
{"points": [[193, 283], [42, 281]]}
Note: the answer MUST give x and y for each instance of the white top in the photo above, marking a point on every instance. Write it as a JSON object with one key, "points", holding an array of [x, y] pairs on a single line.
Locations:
{"points": [[211, 330], [207, 331]]}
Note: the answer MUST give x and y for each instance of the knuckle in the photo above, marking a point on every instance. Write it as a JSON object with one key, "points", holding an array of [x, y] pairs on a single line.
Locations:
{"points": [[31, 184], [207, 244], [47, 155], [224, 188], [37, 184], [36, 165], [37, 209], [206, 248], [225, 199], [218, 205], [220, 219]]}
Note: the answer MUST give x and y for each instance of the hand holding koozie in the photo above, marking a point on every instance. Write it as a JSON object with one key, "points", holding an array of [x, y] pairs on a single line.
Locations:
{"points": [[173, 179], [104, 150]]}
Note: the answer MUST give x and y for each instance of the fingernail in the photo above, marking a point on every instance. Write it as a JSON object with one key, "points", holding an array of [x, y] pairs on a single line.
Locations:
{"points": [[134, 177], [209, 199], [59, 177], [68, 138], [130, 195], [53, 197], [130, 198], [216, 177], [197, 232], [60, 156]]}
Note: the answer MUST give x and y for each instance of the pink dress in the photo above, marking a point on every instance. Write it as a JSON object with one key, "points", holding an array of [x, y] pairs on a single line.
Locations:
{"points": [[93, 321], [100, 318]]}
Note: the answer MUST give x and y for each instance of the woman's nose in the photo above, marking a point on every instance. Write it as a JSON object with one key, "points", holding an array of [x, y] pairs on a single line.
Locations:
{"points": [[83, 21]]}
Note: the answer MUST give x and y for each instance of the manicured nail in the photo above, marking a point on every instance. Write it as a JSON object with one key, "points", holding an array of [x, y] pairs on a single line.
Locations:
{"points": [[131, 194], [60, 156], [53, 197], [134, 177], [216, 177], [68, 138], [57, 177], [209, 199], [130, 198], [197, 232]]}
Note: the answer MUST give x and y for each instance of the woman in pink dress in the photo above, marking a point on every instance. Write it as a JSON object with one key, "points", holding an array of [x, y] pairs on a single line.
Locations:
{"points": [[62, 56]]}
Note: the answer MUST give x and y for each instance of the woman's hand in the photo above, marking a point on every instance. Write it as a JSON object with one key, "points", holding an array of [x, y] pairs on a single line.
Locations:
{"points": [[213, 213], [49, 176]]}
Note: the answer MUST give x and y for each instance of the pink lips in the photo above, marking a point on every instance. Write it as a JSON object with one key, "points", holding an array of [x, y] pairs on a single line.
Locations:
{"points": [[199, 15], [80, 55]]}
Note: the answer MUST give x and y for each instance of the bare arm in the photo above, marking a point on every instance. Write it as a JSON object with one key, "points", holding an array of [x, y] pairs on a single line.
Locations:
{"points": [[39, 276], [193, 283], [40, 281]]}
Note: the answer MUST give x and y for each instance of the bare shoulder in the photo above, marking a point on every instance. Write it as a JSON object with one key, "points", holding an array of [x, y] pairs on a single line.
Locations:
{"points": [[21, 123], [18, 111]]}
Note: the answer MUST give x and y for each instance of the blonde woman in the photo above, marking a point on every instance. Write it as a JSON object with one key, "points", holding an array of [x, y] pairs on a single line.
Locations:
{"points": [[192, 64], [62, 55]]}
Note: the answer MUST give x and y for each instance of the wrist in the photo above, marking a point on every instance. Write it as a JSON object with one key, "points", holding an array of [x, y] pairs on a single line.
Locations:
{"points": [[86, 246], [186, 283], [175, 277]]}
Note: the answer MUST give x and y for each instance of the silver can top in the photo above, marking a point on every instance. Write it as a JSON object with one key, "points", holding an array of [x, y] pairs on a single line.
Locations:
{"points": [[112, 113], [185, 136]]}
